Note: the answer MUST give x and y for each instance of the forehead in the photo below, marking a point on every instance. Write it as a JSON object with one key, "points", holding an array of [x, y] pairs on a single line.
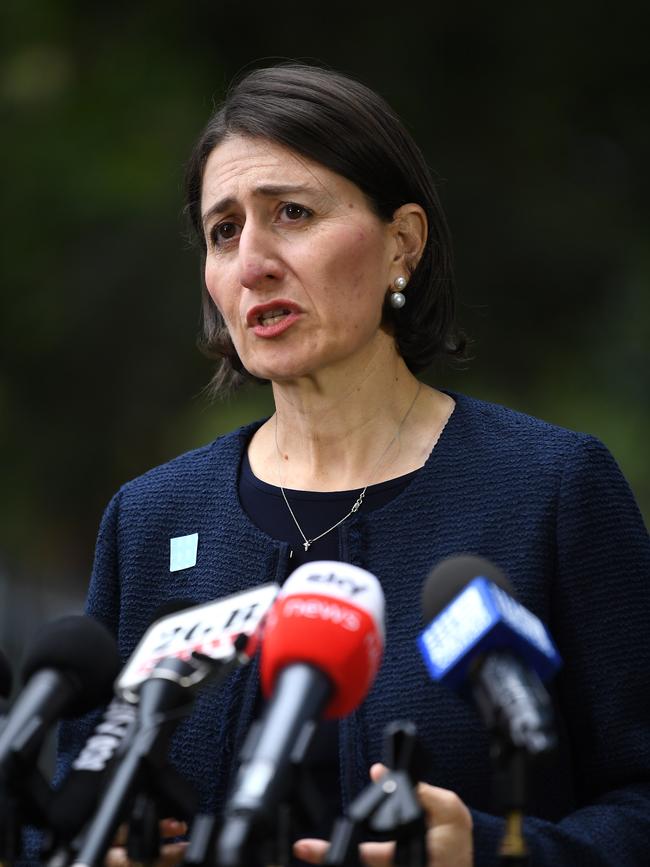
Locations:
{"points": [[240, 165]]}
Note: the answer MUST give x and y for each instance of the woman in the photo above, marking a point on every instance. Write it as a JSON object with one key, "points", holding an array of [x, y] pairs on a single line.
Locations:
{"points": [[328, 273]]}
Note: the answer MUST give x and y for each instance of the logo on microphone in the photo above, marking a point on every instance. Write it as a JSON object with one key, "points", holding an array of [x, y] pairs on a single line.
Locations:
{"points": [[319, 609], [209, 630], [346, 583]]}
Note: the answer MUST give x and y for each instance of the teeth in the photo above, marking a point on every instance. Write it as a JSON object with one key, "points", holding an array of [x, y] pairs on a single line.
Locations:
{"points": [[271, 317]]}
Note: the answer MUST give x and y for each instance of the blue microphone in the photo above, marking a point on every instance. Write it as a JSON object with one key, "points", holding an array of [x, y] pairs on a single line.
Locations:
{"points": [[480, 639]]}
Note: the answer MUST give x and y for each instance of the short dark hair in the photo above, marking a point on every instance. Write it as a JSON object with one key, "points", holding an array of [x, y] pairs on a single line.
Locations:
{"points": [[345, 126]]}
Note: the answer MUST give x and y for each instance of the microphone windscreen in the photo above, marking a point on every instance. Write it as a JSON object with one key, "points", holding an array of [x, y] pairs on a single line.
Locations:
{"points": [[81, 647], [5, 676], [329, 615], [451, 575]]}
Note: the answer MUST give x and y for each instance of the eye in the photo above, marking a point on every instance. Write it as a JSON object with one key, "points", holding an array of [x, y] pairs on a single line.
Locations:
{"points": [[295, 212], [223, 232]]}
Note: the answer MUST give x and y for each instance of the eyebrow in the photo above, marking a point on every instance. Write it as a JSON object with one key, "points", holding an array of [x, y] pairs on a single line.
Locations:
{"points": [[265, 190]]}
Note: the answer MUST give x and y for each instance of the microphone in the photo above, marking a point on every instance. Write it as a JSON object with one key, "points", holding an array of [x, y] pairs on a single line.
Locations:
{"points": [[320, 652], [162, 701], [69, 670], [481, 639], [177, 654], [78, 797]]}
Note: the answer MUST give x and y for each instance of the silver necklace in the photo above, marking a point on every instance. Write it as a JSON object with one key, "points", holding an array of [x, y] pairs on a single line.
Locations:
{"points": [[307, 543]]}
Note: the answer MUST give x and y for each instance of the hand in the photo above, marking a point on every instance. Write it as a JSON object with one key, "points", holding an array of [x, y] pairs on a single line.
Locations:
{"points": [[449, 834], [170, 853]]}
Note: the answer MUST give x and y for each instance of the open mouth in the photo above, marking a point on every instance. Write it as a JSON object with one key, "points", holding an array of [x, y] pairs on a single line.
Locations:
{"points": [[272, 317]]}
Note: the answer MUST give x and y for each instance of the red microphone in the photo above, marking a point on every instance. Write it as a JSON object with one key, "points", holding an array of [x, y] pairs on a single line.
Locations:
{"points": [[329, 615], [320, 652]]}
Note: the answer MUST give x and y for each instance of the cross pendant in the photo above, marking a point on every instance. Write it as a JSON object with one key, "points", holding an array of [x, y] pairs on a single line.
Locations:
{"points": [[306, 544]]}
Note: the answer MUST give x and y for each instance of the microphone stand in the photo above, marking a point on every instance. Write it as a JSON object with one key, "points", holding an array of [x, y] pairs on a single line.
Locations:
{"points": [[388, 808], [518, 712], [262, 842], [143, 840], [164, 792], [511, 766], [303, 804]]}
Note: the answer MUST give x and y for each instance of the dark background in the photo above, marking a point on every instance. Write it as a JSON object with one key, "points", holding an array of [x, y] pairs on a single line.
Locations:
{"points": [[533, 117]]}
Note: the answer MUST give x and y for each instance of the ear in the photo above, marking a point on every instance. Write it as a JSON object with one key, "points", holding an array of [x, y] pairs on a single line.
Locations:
{"points": [[409, 229]]}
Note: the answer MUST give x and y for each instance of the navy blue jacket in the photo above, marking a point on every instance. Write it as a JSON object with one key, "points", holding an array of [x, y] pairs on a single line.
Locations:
{"points": [[547, 505]]}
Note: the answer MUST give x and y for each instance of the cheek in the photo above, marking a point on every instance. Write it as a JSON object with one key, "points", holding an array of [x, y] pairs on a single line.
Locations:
{"points": [[359, 273], [354, 252]]}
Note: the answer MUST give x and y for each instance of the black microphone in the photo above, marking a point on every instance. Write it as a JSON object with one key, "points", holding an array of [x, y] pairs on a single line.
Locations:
{"points": [[164, 699], [69, 670], [176, 655], [78, 796], [480, 639]]}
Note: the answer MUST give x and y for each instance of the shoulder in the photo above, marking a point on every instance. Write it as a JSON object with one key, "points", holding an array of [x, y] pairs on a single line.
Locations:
{"points": [[210, 466], [508, 435], [496, 453]]}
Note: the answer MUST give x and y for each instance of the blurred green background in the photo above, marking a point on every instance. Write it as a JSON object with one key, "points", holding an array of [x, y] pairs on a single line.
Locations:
{"points": [[533, 117]]}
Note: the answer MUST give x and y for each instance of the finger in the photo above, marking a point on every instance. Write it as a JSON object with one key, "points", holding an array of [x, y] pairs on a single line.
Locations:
{"points": [[443, 807], [377, 771], [116, 857], [372, 854], [377, 854], [171, 854], [311, 850]]}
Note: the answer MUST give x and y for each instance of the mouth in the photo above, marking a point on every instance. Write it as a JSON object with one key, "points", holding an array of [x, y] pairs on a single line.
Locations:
{"points": [[274, 312], [272, 317]]}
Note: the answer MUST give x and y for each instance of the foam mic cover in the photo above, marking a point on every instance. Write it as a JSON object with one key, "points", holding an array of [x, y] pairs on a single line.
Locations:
{"points": [[452, 575], [83, 650], [329, 615], [70, 669]]}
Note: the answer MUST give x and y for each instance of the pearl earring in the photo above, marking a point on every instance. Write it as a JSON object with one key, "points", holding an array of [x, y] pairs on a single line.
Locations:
{"points": [[397, 298]]}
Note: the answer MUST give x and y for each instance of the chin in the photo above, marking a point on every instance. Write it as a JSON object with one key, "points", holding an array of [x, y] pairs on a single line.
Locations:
{"points": [[275, 375], [281, 372]]}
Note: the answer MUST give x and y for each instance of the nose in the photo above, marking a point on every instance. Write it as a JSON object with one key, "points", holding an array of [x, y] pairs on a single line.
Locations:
{"points": [[259, 262]]}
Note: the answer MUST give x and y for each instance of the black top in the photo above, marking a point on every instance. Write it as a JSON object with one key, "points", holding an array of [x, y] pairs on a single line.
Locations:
{"points": [[315, 511]]}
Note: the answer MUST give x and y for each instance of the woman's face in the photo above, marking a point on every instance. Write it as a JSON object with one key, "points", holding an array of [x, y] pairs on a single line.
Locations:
{"points": [[297, 263]]}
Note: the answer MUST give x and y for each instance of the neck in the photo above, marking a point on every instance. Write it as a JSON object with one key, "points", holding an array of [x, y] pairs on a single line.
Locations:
{"points": [[340, 435], [345, 429]]}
